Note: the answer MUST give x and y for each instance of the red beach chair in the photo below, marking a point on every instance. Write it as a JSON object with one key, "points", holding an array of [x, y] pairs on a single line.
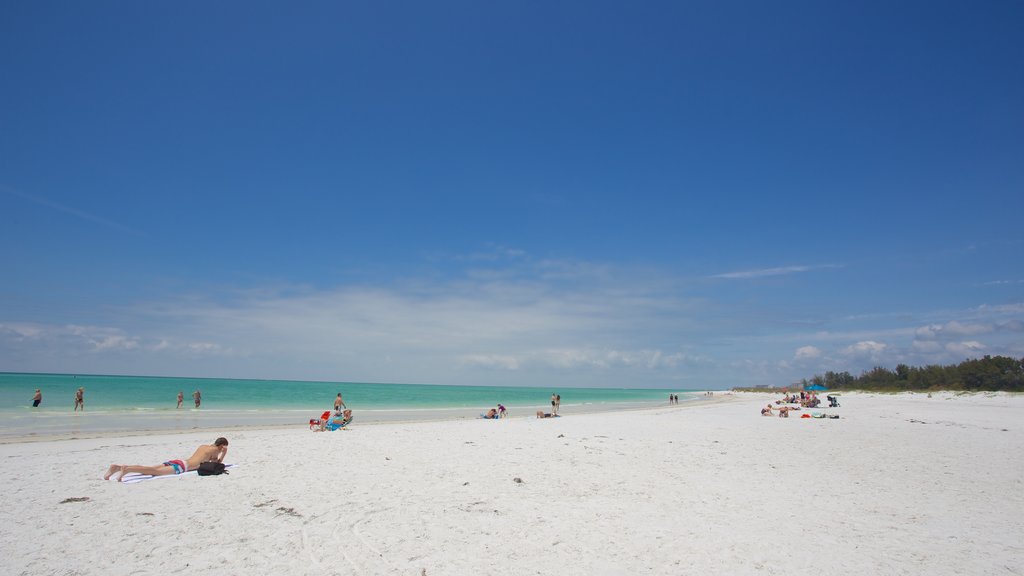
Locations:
{"points": [[315, 422]]}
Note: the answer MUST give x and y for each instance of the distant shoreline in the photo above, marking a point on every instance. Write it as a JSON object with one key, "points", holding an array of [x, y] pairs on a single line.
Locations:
{"points": [[101, 425]]}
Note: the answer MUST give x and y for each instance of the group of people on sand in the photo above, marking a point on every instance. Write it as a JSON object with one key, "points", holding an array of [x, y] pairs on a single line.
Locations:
{"points": [[806, 399], [673, 398], [495, 413], [337, 419], [556, 404], [782, 410]]}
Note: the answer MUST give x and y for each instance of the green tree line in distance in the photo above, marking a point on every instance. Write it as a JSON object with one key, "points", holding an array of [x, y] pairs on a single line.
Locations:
{"points": [[990, 373]]}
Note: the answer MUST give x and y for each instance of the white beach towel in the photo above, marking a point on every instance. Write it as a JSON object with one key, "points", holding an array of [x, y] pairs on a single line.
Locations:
{"points": [[133, 477]]}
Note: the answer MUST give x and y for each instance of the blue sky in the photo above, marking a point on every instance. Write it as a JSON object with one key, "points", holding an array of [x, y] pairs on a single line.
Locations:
{"points": [[676, 194]]}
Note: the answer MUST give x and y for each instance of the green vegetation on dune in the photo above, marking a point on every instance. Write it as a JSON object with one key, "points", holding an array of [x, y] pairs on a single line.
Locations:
{"points": [[990, 373]]}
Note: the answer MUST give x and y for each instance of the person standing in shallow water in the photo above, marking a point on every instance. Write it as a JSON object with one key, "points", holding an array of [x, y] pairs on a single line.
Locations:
{"points": [[339, 403], [80, 399], [181, 398], [198, 397], [37, 398]]}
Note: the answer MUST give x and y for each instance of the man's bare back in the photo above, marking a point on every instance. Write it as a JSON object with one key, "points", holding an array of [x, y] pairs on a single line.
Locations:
{"points": [[207, 453]]}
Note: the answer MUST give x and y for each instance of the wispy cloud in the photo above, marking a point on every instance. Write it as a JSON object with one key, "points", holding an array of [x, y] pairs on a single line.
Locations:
{"points": [[778, 271], [76, 339], [999, 309], [534, 323], [69, 210], [519, 321]]}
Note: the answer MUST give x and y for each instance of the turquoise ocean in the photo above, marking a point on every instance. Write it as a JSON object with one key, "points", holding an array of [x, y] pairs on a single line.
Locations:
{"points": [[118, 404]]}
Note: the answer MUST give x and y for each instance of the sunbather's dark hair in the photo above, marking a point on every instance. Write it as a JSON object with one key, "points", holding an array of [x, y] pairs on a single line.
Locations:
{"points": [[222, 441]]}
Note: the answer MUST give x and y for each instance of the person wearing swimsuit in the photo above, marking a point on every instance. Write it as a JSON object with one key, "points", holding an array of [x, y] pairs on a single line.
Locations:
{"points": [[206, 453]]}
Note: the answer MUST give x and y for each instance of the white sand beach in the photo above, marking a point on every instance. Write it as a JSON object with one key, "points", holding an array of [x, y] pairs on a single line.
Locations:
{"points": [[900, 484]]}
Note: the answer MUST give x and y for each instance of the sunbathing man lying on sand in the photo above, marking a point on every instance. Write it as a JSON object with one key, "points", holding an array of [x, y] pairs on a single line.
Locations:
{"points": [[206, 453], [543, 414]]}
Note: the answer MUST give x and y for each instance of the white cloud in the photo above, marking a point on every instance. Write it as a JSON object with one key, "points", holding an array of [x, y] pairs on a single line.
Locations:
{"points": [[203, 348], [762, 272], [865, 348], [952, 329], [807, 353], [114, 342], [926, 346], [491, 361], [520, 321], [971, 348], [478, 328], [75, 339], [21, 331], [1015, 308]]}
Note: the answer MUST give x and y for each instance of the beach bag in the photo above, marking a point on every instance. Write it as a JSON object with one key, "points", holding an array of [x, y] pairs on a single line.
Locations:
{"points": [[211, 469]]}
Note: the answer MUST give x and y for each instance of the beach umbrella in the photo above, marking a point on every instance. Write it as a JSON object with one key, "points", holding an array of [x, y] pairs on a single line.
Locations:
{"points": [[816, 388]]}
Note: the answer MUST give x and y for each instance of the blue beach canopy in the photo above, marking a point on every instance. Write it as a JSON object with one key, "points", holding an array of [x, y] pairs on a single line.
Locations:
{"points": [[816, 388]]}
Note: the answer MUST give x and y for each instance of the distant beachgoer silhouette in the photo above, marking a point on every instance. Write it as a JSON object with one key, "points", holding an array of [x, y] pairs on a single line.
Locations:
{"points": [[80, 399], [198, 397], [181, 398], [37, 398]]}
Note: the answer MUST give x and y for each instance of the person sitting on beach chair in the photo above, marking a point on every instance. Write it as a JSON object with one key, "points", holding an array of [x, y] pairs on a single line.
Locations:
{"points": [[206, 453], [337, 422]]}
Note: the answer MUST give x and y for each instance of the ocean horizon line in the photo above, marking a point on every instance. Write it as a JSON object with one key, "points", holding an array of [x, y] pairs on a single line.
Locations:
{"points": [[375, 383]]}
